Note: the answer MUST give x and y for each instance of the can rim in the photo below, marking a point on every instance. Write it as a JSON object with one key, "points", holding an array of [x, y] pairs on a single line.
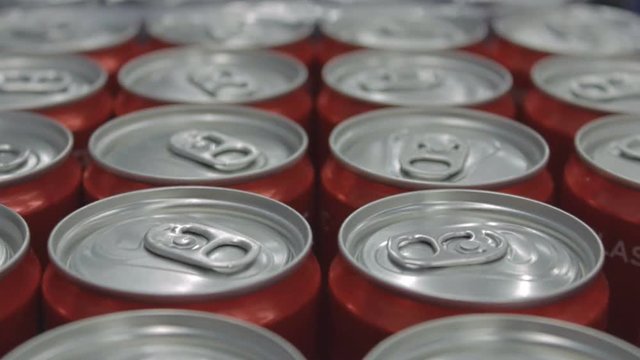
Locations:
{"points": [[19, 221]]}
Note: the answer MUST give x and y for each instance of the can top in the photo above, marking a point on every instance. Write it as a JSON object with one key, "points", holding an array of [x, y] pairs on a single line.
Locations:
{"points": [[472, 337], [405, 27], [157, 334], [204, 76], [236, 25], [404, 79], [181, 242], [471, 247], [611, 146], [196, 144], [575, 29], [30, 144], [64, 29], [439, 148], [14, 239], [35, 82], [604, 85]]}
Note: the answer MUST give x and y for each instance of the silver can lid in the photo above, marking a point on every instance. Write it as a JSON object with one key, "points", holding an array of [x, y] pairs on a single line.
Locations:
{"points": [[404, 79], [405, 27], [14, 239], [611, 146], [235, 25], [60, 30], [502, 337], [157, 334], [604, 85], [204, 76], [575, 29], [439, 148], [196, 144], [30, 144], [181, 242], [472, 247], [34, 82]]}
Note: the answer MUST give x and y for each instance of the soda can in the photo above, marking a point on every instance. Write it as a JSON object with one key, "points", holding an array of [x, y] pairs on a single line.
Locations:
{"points": [[157, 334], [367, 80], [485, 336], [67, 88], [581, 30], [39, 179], [19, 282], [193, 248], [105, 36], [572, 92], [432, 254], [602, 187], [388, 152], [260, 79], [400, 27]]}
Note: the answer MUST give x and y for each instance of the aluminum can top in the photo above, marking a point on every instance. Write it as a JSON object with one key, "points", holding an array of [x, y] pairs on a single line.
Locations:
{"points": [[14, 239]]}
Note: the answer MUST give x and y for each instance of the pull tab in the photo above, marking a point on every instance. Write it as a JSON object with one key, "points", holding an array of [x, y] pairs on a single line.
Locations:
{"points": [[417, 29], [193, 244], [210, 147], [444, 156], [607, 87], [48, 30], [452, 249], [215, 81], [34, 81], [411, 79], [12, 157], [630, 148], [224, 30], [570, 29]]}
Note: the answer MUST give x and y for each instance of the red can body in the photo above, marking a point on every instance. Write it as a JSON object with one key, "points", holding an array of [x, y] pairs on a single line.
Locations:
{"points": [[519, 60], [111, 59]]}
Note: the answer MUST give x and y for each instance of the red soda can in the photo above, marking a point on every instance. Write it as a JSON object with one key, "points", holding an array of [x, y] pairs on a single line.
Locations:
{"points": [[470, 337], [39, 179], [66, 88], [400, 27], [194, 248], [571, 92], [367, 80], [432, 254], [602, 187], [106, 36], [19, 282], [581, 30], [229, 146], [388, 152], [158, 334], [260, 79]]}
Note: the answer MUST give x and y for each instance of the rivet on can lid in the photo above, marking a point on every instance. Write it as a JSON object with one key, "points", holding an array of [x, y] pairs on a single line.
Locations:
{"points": [[14, 239], [418, 80], [472, 247]]}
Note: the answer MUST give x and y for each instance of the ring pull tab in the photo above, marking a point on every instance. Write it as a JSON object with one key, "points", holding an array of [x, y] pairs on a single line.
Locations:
{"points": [[409, 28], [48, 30], [34, 81], [216, 81], [214, 149], [409, 79], [630, 148], [434, 158], [609, 87], [569, 30], [452, 249], [12, 157], [226, 29], [197, 245]]}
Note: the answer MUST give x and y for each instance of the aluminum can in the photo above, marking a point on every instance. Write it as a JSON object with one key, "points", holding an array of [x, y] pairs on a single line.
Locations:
{"points": [[580, 30], [432, 254], [39, 179], [19, 282], [572, 92], [602, 187], [403, 27], [193, 248], [67, 88], [484, 336], [367, 80], [388, 152], [157, 334]]}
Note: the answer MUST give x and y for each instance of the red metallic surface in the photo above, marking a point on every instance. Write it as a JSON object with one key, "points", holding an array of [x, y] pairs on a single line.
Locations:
{"points": [[364, 313], [344, 191], [19, 303], [288, 307], [44, 201], [111, 60], [519, 60], [613, 211]]}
